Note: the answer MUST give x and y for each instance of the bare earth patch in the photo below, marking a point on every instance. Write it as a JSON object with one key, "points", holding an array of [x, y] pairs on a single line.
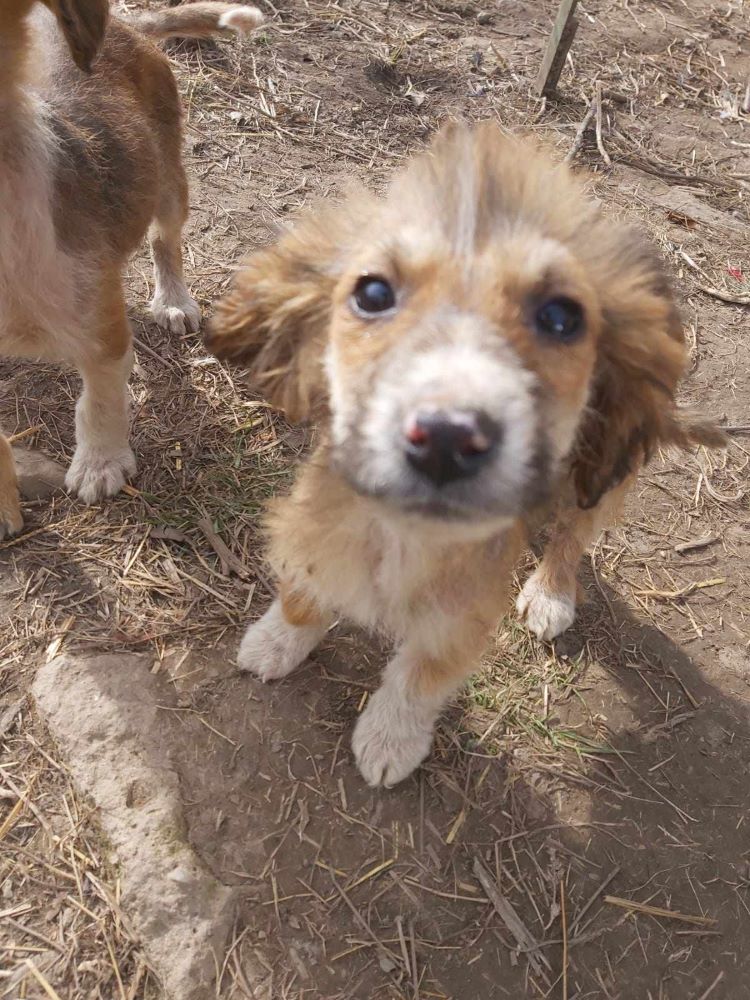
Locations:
{"points": [[569, 780]]}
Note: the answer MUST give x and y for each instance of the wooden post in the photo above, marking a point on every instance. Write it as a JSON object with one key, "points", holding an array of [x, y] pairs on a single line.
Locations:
{"points": [[563, 32]]}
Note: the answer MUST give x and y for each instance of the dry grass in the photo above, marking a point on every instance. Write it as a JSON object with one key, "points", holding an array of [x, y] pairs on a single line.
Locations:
{"points": [[59, 902], [331, 89]]}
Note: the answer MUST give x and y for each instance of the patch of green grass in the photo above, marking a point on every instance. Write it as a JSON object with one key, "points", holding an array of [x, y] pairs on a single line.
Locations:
{"points": [[512, 686]]}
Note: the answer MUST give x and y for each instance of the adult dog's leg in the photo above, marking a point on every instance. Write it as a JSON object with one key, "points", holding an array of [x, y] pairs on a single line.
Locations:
{"points": [[103, 459], [172, 306]]}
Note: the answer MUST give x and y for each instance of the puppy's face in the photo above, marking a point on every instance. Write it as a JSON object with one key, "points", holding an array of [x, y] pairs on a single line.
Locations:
{"points": [[459, 361], [462, 334]]}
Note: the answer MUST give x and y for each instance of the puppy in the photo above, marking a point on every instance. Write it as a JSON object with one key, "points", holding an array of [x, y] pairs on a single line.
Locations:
{"points": [[478, 344], [89, 160]]}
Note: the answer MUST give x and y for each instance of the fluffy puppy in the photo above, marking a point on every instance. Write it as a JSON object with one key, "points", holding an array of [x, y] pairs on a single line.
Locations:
{"points": [[90, 161], [476, 344]]}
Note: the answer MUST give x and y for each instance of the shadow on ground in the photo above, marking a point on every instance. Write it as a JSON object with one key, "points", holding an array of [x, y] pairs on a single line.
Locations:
{"points": [[353, 893]]}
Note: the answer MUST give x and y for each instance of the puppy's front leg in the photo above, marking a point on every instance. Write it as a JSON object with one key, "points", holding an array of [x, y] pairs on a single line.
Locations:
{"points": [[11, 520], [284, 637], [394, 733], [548, 598]]}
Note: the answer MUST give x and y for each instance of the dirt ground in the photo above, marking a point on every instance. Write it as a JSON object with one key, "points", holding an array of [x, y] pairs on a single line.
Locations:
{"points": [[612, 765]]}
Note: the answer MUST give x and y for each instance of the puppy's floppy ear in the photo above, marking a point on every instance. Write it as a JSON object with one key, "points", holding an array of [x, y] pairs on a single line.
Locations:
{"points": [[632, 410], [84, 24], [275, 318]]}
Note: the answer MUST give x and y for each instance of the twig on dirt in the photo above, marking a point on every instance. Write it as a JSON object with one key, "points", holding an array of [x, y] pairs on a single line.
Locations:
{"points": [[692, 263], [510, 918], [690, 697], [580, 133], [522, 834], [599, 140], [672, 595], [599, 587], [680, 812], [24, 537], [707, 993], [35, 934], [564, 921], [115, 967], [658, 911], [23, 434], [698, 543], [360, 920], [402, 941], [22, 799], [667, 174], [444, 895], [593, 898], [215, 731], [717, 293], [227, 558], [414, 969], [165, 362], [42, 980]]}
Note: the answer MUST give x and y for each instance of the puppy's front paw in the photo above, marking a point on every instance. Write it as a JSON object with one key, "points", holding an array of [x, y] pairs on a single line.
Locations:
{"points": [[11, 519], [389, 741], [94, 475], [547, 614], [272, 648], [177, 313]]}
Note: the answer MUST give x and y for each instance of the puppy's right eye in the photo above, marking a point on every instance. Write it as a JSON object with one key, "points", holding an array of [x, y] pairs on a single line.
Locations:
{"points": [[559, 319], [372, 296]]}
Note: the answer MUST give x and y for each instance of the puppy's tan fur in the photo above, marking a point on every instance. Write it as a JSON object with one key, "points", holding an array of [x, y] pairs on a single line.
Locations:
{"points": [[473, 235], [90, 161]]}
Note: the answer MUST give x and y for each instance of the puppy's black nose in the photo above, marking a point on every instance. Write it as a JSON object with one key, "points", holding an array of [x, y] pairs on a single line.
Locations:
{"points": [[445, 445]]}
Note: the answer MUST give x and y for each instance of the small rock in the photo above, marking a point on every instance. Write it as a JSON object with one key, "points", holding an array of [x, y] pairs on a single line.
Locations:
{"points": [[38, 476]]}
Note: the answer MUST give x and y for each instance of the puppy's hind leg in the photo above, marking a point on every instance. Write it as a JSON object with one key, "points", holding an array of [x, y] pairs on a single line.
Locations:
{"points": [[172, 306], [11, 520], [548, 598], [103, 459], [284, 637]]}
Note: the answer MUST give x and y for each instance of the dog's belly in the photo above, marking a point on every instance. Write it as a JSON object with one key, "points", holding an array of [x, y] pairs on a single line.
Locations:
{"points": [[40, 292], [40, 318]]}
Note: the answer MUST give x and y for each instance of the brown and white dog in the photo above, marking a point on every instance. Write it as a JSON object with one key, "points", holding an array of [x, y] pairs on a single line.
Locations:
{"points": [[90, 158], [478, 344]]}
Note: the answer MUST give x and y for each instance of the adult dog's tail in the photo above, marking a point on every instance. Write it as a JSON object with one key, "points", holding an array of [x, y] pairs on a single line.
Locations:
{"points": [[197, 20]]}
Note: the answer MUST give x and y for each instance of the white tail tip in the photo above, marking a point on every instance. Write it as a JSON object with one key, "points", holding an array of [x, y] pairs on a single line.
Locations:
{"points": [[241, 19]]}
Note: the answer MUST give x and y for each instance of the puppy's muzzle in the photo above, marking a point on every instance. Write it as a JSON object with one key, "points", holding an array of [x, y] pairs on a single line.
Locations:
{"points": [[446, 445]]}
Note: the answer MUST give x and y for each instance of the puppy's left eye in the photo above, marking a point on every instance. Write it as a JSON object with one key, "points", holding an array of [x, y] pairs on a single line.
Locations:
{"points": [[372, 295], [560, 319]]}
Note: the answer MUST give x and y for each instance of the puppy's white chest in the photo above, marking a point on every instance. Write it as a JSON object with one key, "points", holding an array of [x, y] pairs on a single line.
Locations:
{"points": [[396, 571]]}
